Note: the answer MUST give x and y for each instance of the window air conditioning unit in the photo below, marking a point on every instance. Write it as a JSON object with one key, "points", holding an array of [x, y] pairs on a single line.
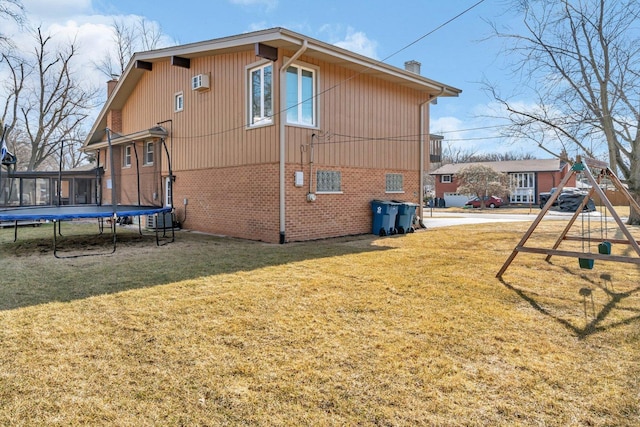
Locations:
{"points": [[200, 82], [160, 221]]}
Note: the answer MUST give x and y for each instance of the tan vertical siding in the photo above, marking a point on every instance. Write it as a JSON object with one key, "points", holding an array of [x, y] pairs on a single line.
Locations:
{"points": [[364, 122], [210, 131]]}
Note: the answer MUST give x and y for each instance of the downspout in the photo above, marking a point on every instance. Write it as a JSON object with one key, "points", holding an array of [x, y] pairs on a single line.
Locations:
{"points": [[283, 138], [422, 134]]}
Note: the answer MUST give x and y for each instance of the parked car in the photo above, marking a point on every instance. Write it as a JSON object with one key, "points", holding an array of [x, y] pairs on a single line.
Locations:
{"points": [[568, 200], [545, 196], [489, 202]]}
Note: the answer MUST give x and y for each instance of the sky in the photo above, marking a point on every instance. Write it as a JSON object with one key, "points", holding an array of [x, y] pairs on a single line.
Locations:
{"points": [[460, 54]]}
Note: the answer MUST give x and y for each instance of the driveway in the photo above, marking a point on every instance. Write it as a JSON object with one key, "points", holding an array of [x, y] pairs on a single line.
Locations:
{"points": [[442, 218]]}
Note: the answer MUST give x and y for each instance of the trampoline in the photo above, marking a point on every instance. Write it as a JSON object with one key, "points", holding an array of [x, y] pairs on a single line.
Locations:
{"points": [[59, 213]]}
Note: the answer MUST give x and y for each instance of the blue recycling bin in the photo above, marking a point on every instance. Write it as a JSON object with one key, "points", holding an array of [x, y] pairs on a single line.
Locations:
{"points": [[405, 216], [384, 217]]}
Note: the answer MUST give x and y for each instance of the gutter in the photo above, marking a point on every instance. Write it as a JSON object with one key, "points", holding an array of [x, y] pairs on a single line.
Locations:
{"points": [[422, 133], [283, 138]]}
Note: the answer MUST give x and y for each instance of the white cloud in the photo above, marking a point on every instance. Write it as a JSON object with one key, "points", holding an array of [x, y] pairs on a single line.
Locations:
{"points": [[45, 10], [358, 42], [257, 26], [355, 41]]}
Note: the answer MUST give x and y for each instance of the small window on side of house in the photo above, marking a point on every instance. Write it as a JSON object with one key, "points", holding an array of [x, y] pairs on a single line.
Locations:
{"points": [[394, 183], [148, 153], [445, 179], [127, 157], [178, 102], [328, 181]]}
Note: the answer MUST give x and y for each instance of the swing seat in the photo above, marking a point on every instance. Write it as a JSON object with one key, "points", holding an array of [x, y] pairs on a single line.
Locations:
{"points": [[586, 263], [604, 248], [8, 159]]}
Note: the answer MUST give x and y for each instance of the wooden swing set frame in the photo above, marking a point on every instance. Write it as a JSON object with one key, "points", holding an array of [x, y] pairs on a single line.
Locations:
{"points": [[582, 165]]}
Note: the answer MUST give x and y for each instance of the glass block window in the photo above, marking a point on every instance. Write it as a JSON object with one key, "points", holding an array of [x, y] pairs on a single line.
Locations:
{"points": [[328, 181], [394, 182]]}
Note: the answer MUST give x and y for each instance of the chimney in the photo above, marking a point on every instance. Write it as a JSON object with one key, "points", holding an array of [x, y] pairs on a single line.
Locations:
{"points": [[412, 66], [111, 85]]}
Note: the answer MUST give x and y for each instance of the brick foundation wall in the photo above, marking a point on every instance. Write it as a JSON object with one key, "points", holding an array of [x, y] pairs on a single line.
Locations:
{"points": [[348, 213], [235, 201], [243, 202]]}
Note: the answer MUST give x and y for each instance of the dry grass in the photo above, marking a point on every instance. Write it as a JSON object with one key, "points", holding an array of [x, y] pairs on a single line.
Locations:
{"points": [[407, 330]]}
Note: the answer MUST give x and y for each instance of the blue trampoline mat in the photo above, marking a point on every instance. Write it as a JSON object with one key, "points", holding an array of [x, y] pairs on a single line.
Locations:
{"points": [[55, 213]]}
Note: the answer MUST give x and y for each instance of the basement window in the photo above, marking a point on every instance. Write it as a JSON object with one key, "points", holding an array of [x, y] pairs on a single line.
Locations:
{"points": [[328, 181], [394, 183]]}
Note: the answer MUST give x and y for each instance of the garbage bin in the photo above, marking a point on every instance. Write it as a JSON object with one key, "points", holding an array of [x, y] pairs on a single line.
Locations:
{"points": [[405, 216], [384, 217]]}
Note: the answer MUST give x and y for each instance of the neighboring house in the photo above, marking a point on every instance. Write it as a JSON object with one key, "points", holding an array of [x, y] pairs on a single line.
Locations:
{"points": [[272, 135], [527, 178], [40, 188]]}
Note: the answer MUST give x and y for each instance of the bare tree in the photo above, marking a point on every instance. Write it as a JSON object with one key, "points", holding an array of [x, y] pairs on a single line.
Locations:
{"points": [[580, 60], [481, 181], [452, 154], [128, 38], [11, 10], [44, 102], [455, 154]]}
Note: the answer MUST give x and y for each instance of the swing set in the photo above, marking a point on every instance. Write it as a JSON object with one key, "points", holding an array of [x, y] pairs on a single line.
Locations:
{"points": [[586, 257]]}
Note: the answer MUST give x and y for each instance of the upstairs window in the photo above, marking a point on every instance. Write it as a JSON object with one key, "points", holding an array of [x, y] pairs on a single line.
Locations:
{"points": [[445, 179], [261, 95], [148, 153], [178, 102], [301, 96]]}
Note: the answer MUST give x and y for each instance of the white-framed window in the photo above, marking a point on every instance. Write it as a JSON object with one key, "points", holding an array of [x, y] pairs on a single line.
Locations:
{"points": [[328, 181], [126, 161], [445, 179], [301, 85], [394, 183], [522, 187], [168, 191], [260, 91], [178, 102], [148, 153]]}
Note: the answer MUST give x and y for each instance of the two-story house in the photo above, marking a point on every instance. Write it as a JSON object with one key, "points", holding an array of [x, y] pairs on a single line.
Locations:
{"points": [[271, 135]]}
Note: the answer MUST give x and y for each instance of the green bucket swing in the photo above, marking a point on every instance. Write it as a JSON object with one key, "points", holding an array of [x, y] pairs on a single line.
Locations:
{"points": [[605, 246], [586, 263]]}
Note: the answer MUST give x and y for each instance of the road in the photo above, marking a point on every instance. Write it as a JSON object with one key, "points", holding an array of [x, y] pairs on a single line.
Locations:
{"points": [[443, 218]]}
